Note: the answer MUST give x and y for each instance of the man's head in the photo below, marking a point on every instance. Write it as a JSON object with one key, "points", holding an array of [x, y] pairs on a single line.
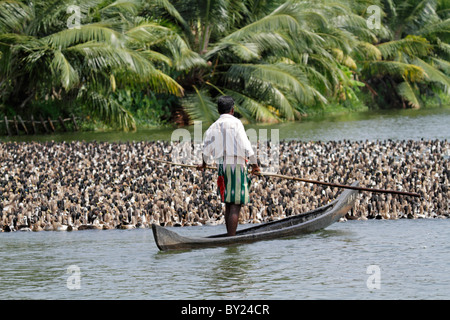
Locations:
{"points": [[225, 104]]}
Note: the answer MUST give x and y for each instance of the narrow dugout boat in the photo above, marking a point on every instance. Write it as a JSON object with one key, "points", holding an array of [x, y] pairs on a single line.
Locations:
{"points": [[310, 221]]}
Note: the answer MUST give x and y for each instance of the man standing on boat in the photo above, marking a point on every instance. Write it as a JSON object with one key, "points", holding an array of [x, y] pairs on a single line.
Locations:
{"points": [[226, 142]]}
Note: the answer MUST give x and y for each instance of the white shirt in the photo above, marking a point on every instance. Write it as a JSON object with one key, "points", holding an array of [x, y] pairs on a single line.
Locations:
{"points": [[226, 141]]}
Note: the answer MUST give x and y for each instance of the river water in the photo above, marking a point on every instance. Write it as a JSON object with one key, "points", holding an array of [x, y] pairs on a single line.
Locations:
{"points": [[375, 259], [370, 125]]}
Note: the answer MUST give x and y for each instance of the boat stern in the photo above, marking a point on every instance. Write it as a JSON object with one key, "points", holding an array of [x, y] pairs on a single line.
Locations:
{"points": [[166, 239]]}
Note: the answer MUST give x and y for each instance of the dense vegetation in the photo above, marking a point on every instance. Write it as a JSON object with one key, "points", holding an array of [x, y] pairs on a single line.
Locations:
{"points": [[136, 62]]}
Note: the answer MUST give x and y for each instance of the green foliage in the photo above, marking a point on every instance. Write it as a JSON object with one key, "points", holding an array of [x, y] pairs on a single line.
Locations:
{"points": [[291, 57], [45, 59], [135, 62], [414, 57], [148, 109]]}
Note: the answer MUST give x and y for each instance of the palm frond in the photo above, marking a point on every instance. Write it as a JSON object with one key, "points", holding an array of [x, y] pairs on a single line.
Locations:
{"points": [[13, 15], [283, 18], [183, 57], [410, 45], [200, 106], [251, 108], [64, 71], [138, 68], [419, 12], [152, 34], [443, 47], [366, 51], [438, 27], [408, 71], [155, 57], [317, 79], [245, 51], [441, 64], [100, 32], [251, 47], [107, 109], [173, 12], [122, 6], [406, 91], [148, 32], [283, 103], [279, 75], [433, 74], [344, 59]]}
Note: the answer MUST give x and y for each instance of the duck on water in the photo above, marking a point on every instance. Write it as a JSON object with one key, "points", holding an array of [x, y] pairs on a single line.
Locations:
{"points": [[91, 185]]}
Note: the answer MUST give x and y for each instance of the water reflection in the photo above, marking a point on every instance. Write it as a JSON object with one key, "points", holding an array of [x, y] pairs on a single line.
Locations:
{"points": [[229, 274], [328, 233], [372, 125], [330, 264]]}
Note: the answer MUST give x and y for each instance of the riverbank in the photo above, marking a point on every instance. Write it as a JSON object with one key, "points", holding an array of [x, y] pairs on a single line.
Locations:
{"points": [[403, 124], [94, 185]]}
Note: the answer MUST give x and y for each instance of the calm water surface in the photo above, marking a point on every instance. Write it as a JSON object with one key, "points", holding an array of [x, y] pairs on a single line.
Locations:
{"points": [[371, 125], [412, 257]]}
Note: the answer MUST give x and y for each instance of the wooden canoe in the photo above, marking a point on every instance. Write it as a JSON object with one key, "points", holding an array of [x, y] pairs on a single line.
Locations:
{"points": [[291, 226]]}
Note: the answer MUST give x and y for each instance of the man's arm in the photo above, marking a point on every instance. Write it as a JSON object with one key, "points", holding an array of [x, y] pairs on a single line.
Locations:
{"points": [[202, 166], [254, 165]]}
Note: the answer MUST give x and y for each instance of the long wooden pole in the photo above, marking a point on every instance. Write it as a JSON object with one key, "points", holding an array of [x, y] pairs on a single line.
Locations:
{"points": [[413, 194], [335, 185], [181, 164]]}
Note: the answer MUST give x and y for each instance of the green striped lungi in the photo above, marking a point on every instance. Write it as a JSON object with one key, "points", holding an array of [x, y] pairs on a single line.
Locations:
{"points": [[233, 183]]}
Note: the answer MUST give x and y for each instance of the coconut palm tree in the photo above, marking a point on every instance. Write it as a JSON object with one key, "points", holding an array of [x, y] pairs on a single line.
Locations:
{"points": [[276, 58], [414, 56], [44, 56]]}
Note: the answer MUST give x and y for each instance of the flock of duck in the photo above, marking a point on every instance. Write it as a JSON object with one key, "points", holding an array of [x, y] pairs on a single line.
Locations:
{"points": [[95, 185]]}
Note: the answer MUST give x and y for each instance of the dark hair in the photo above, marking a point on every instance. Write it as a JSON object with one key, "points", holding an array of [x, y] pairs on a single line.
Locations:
{"points": [[224, 104]]}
